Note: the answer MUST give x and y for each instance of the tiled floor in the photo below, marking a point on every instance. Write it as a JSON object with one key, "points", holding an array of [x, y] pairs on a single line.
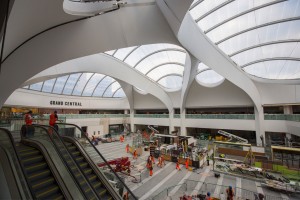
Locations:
{"points": [[163, 178]]}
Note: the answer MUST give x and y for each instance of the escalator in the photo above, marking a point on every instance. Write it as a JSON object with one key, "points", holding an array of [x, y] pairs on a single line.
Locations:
{"points": [[106, 182], [87, 169], [39, 175]]}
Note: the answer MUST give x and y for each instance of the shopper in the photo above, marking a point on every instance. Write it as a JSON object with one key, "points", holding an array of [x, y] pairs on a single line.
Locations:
{"points": [[121, 138], [159, 164], [207, 159], [53, 118], [150, 168], [152, 159], [230, 193], [28, 129]]}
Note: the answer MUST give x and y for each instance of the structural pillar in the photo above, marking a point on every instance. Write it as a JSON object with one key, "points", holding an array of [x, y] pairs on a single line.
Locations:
{"points": [[132, 127], [259, 126], [171, 121], [183, 130], [288, 110]]}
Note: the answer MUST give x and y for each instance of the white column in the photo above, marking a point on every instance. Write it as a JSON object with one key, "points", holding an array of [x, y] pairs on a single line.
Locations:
{"points": [[183, 130], [171, 121], [288, 110], [259, 126], [126, 112], [132, 127]]}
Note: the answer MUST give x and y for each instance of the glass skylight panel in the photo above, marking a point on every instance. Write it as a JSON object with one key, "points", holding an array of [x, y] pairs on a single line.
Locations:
{"points": [[102, 86], [111, 89], [146, 50], [59, 84], [160, 58], [90, 87], [209, 77], [36, 86], [202, 66], [84, 78], [164, 70], [224, 13], [119, 93], [205, 7], [70, 84], [269, 51], [122, 53], [48, 85], [171, 82], [277, 69]]}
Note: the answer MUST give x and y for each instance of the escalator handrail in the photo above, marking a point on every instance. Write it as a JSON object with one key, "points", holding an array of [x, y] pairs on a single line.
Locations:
{"points": [[84, 135], [62, 158], [19, 160]]}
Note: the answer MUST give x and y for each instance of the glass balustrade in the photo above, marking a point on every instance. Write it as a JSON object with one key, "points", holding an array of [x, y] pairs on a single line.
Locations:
{"points": [[151, 115]]}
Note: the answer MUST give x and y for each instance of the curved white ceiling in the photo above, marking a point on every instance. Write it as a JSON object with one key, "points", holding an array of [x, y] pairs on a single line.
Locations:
{"points": [[261, 36], [208, 77], [81, 84]]}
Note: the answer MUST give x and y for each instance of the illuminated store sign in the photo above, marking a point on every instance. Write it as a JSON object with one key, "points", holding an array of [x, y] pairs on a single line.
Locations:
{"points": [[65, 103]]}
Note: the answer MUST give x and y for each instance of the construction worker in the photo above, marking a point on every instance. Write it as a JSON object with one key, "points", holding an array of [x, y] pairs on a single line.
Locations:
{"points": [[187, 163], [127, 148], [151, 170], [159, 164], [121, 138], [152, 159], [178, 165], [162, 160], [134, 154]]}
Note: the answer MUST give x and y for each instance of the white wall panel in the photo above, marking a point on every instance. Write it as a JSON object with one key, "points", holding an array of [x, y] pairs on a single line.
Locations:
{"points": [[224, 95], [279, 93], [147, 101], [28, 98]]}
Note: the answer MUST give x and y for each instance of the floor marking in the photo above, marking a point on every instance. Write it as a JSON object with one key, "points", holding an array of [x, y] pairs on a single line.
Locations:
{"points": [[145, 196], [199, 185], [147, 179], [238, 187], [179, 184], [259, 188], [219, 184]]}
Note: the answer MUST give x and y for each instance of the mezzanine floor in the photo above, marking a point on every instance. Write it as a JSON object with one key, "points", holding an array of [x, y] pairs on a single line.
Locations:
{"points": [[148, 187]]}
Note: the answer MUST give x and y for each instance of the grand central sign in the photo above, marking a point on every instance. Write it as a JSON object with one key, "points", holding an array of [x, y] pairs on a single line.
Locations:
{"points": [[65, 103]]}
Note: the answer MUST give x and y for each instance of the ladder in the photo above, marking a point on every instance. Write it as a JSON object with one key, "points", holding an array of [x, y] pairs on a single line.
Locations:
{"points": [[231, 137]]}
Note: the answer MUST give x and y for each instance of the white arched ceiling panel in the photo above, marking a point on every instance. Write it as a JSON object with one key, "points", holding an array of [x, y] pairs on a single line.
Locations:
{"points": [[154, 60], [255, 34]]}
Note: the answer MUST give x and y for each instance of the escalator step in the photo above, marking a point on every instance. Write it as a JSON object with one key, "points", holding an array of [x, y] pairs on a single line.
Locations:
{"points": [[92, 177], [79, 159], [39, 175], [101, 192], [76, 153], [44, 194], [43, 183], [106, 197], [32, 160], [96, 184], [21, 148], [88, 171], [57, 196], [29, 153], [36, 167]]}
